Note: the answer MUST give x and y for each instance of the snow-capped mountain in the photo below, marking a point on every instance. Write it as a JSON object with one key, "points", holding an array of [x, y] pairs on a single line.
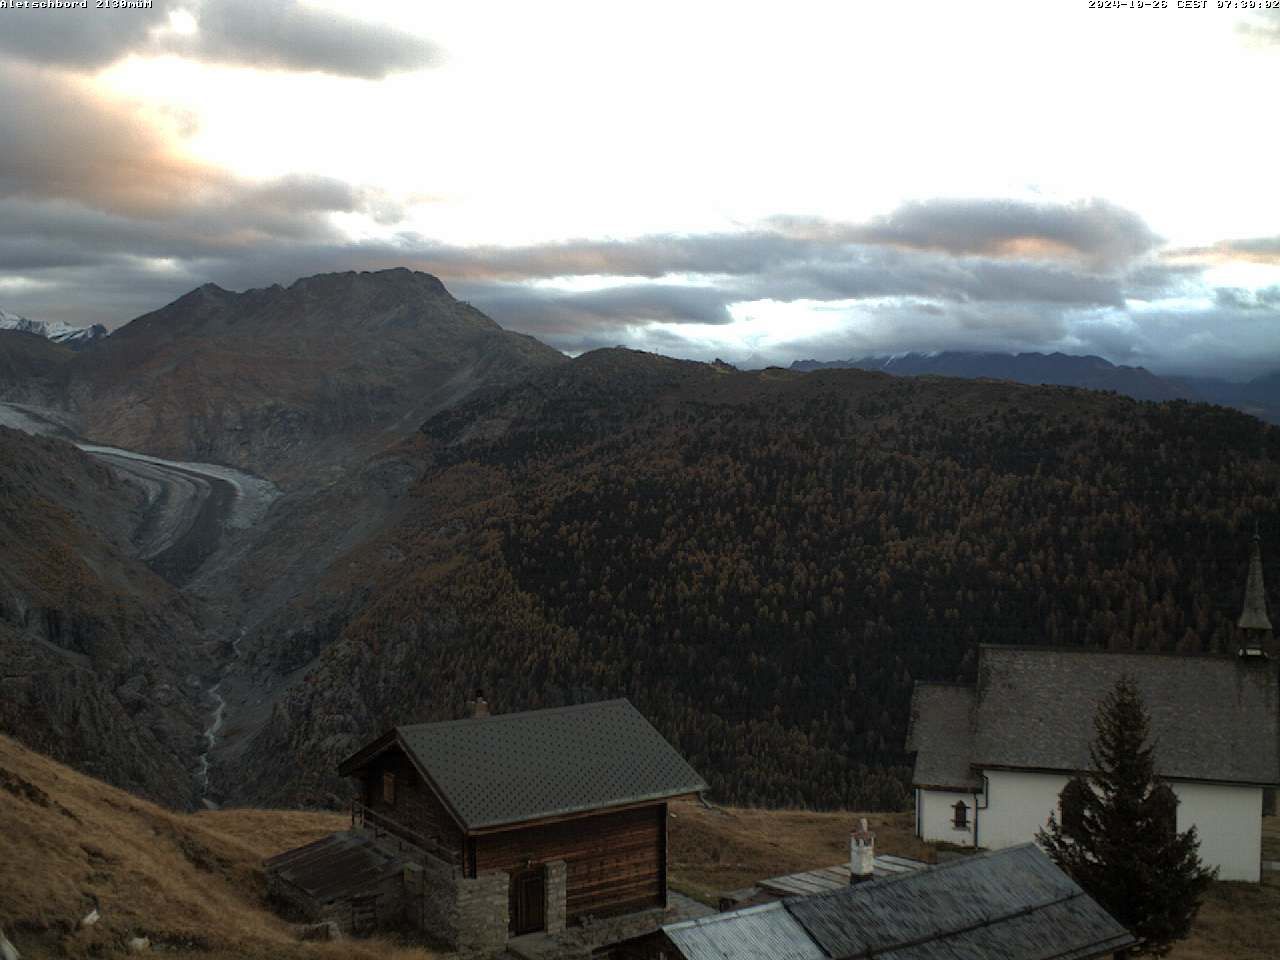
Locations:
{"points": [[56, 330]]}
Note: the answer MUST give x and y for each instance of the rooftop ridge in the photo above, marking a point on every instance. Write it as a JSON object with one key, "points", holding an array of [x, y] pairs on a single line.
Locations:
{"points": [[1094, 650], [519, 714], [933, 869]]}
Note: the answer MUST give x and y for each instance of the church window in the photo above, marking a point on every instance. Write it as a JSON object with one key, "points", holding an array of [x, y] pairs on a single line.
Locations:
{"points": [[961, 820]]}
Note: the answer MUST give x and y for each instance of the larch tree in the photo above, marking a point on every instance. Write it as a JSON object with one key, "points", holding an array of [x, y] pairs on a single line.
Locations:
{"points": [[1118, 837]]}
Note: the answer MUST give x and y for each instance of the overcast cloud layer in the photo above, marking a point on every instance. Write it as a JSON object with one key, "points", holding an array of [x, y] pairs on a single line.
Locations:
{"points": [[271, 34], [104, 216]]}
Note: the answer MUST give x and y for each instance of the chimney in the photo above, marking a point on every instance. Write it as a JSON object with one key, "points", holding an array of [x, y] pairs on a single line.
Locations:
{"points": [[479, 707], [862, 853]]}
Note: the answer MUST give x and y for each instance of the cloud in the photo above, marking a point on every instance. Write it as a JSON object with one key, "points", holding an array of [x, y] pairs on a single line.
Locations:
{"points": [[265, 34], [103, 217], [1237, 298], [558, 313], [1262, 28], [82, 172], [1095, 232], [287, 35], [62, 138], [1252, 249]]}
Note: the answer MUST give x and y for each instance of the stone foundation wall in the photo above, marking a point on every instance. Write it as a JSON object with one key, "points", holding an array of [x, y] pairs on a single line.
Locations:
{"points": [[556, 885], [484, 912], [468, 914]]}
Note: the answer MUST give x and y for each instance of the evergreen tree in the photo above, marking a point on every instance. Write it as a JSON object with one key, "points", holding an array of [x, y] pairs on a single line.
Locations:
{"points": [[1118, 834]]}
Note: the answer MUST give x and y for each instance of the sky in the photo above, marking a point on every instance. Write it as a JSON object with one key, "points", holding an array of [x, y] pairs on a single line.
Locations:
{"points": [[757, 182]]}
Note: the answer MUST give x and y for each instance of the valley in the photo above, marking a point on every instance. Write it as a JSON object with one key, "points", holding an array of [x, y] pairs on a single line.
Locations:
{"points": [[189, 506]]}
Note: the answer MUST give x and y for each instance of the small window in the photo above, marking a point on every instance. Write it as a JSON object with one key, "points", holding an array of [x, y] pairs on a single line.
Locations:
{"points": [[961, 820], [389, 789]]}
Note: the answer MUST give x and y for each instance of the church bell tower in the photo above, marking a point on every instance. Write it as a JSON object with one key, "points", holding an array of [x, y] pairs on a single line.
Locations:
{"points": [[1254, 624]]}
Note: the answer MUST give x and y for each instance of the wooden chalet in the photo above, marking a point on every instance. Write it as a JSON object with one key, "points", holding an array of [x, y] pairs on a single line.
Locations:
{"points": [[569, 803]]}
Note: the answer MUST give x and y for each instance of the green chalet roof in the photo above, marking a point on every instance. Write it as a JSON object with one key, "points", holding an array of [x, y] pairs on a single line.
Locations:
{"points": [[510, 768]]}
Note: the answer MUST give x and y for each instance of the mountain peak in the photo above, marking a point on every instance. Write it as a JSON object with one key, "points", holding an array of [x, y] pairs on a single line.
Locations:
{"points": [[398, 277], [55, 330]]}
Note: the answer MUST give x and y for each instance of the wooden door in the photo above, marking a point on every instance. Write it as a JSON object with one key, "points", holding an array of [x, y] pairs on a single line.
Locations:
{"points": [[528, 901]]}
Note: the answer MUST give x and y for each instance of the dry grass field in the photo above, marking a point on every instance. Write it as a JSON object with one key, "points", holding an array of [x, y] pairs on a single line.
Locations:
{"points": [[722, 849], [193, 883], [1240, 920]]}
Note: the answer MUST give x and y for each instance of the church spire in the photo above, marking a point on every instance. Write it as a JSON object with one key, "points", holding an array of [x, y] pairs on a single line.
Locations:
{"points": [[1254, 615]]}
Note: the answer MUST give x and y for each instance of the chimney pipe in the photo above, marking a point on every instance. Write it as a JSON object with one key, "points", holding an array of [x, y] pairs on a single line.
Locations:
{"points": [[862, 853]]}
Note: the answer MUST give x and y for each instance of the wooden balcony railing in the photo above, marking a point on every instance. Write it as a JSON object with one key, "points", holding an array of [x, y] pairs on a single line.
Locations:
{"points": [[380, 824]]}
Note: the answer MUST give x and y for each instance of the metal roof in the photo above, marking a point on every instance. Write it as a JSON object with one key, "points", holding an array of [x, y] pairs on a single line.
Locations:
{"points": [[514, 767], [334, 867], [941, 735], [826, 879], [1011, 903], [1212, 718], [768, 932]]}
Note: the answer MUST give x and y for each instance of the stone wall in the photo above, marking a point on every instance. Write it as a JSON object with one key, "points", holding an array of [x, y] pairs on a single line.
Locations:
{"points": [[556, 878], [484, 912], [469, 914]]}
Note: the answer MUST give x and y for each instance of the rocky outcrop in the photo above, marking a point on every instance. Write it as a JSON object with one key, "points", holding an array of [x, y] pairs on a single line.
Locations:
{"points": [[97, 652]]}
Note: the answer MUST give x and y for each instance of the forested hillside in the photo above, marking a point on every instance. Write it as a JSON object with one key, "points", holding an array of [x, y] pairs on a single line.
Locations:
{"points": [[765, 562]]}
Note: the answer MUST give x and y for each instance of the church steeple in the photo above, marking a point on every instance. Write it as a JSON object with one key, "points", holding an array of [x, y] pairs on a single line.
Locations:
{"points": [[1253, 618]]}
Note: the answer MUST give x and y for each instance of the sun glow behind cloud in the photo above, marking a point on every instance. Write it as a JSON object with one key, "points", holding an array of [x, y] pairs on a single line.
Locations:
{"points": [[571, 119]]}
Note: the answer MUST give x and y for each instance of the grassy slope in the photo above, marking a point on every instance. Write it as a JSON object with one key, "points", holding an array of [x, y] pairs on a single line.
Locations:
{"points": [[193, 882]]}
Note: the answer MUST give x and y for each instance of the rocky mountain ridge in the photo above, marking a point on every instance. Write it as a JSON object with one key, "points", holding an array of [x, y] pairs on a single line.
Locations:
{"points": [[1260, 397], [292, 383], [78, 338]]}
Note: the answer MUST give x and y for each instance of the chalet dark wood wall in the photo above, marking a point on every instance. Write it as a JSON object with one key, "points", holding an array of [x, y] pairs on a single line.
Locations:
{"points": [[416, 805], [616, 862]]}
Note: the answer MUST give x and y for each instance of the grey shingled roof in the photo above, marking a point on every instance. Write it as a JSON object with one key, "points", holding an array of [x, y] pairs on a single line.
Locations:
{"points": [[1012, 903], [513, 767], [1213, 718], [334, 867], [940, 735], [767, 932]]}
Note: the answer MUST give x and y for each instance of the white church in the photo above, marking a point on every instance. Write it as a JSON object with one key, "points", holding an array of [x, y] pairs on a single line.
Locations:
{"points": [[991, 758]]}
